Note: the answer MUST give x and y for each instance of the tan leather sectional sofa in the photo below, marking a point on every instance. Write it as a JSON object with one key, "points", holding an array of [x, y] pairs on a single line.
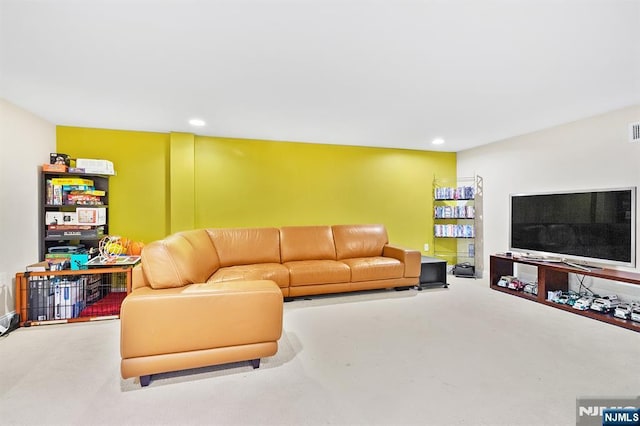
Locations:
{"points": [[213, 296]]}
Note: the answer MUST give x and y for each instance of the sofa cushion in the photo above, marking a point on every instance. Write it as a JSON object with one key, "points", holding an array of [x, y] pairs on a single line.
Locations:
{"points": [[199, 317], [374, 268], [308, 272], [245, 246], [257, 271], [354, 241], [183, 258], [306, 243]]}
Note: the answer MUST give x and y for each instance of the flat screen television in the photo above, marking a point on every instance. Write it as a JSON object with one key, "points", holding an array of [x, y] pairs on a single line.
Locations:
{"points": [[597, 226]]}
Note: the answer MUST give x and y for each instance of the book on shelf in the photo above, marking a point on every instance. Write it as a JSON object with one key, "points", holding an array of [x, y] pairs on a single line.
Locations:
{"points": [[60, 264], [69, 227], [96, 232], [88, 191], [49, 256], [55, 168], [57, 262], [71, 181], [38, 267], [82, 199], [59, 195], [77, 188], [454, 231], [53, 193], [459, 193], [457, 212]]}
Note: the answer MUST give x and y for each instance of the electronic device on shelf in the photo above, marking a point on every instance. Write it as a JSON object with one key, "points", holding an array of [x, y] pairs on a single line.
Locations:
{"points": [[554, 296], [578, 266], [554, 282], [573, 298], [505, 280], [565, 297], [516, 284], [66, 249], [583, 303], [531, 288], [539, 258], [528, 256], [547, 259], [579, 227], [605, 303], [622, 311]]}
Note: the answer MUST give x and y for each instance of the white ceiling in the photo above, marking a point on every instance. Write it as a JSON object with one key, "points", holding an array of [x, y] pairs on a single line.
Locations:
{"points": [[388, 73]]}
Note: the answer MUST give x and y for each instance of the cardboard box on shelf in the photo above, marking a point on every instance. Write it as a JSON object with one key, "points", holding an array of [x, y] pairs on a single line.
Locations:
{"points": [[59, 158], [38, 267], [91, 215], [71, 181], [100, 167], [78, 261], [68, 234], [61, 218], [56, 168]]}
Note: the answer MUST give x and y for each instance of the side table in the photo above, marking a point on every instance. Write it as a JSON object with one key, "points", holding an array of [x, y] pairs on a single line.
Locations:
{"points": [[433, 273]]}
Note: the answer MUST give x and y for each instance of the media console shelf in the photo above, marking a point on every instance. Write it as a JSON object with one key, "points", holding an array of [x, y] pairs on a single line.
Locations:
{"points": [[555, 276]]}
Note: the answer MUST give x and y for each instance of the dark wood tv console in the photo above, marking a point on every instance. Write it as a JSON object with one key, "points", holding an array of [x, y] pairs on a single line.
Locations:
{"points": [[555, 276]]}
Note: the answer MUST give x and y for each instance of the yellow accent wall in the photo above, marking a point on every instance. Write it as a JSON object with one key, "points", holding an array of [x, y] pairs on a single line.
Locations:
{"points": [[243, 182], [138, 193], [160, 188], [181, 182]]}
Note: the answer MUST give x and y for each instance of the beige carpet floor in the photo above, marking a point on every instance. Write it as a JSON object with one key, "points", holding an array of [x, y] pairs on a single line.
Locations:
{"points": [[466, 355]]}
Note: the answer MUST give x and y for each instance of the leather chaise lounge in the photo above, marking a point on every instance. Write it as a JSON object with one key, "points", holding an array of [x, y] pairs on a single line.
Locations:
{"points": [[215, 296]]}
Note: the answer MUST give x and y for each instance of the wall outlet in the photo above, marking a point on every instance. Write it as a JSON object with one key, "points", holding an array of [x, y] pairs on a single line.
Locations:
{"points": [[426, 246]]}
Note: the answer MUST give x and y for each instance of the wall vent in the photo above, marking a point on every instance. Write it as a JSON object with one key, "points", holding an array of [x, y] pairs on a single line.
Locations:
{"points": [[634, 132]]}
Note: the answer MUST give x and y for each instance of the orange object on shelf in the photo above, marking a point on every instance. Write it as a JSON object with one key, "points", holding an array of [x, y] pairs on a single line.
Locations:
{"points": [[60, 168]]}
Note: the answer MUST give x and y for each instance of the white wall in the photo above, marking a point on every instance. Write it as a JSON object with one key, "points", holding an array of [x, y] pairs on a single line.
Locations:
{"points": [[25, 143], [590, 153]]}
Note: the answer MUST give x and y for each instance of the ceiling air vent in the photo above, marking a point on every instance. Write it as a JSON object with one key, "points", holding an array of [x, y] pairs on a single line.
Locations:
{"points": [[634, 132]]}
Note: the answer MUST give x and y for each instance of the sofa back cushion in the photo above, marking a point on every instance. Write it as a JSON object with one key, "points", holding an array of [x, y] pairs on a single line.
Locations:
{"points": [[306, 243], [245, 246], [183, 258], [359, 240]]}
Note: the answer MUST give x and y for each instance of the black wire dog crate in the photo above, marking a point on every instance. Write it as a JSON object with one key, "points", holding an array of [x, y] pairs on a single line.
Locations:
{"points": [[70, 296]]}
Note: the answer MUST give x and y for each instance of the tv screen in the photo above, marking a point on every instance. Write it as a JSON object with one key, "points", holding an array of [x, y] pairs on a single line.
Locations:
{"points": [[592, 225]]}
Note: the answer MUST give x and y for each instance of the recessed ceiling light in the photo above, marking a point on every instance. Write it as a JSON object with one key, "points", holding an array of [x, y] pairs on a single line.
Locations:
{"points": [[197, 122], [437, 141]]}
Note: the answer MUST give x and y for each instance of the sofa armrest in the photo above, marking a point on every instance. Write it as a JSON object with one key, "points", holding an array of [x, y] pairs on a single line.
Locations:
{"points": [[199, 316], [410, 258], [138, 279]]}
